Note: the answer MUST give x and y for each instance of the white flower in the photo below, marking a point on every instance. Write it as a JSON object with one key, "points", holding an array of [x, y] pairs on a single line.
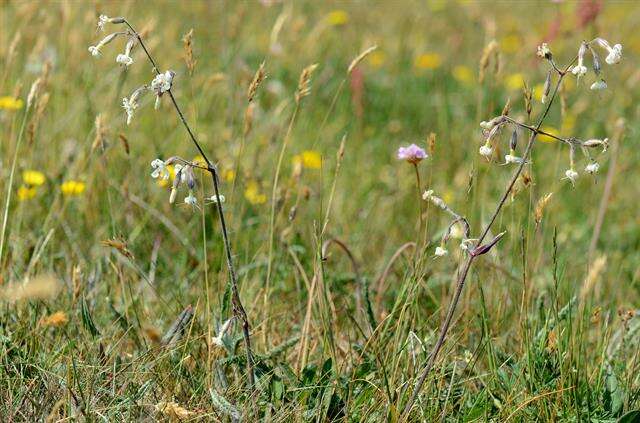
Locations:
{"points": [[214, 198], [486, 151], [592, 168], [467, 244], [579, 70], [615, 52], [95, 50], [129, 107], [123, 59], [440, 252], [571, 175], [512, 159], [599, 85], [159, 169], [162, 82], [436, 201], [102, 20], [217, 340], [615, 55], [191, 199]]}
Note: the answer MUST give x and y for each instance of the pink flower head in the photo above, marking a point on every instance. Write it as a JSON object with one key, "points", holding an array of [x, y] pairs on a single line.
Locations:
{"points": [[413, 154]]}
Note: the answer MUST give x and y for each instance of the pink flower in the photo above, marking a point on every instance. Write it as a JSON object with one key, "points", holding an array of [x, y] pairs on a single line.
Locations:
{"points": [[413, 154]]}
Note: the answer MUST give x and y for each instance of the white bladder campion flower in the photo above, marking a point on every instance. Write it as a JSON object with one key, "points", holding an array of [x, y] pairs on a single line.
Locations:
{"points": [[161, 84], [131, 104], [102, 21], [214, 199], [191, 199], [571, 175], [615, 52], [486, 150], [580, 69], [599, 85], [95, 50], [159, 169], [440, 252], [592, 168], [512, 159], [125, 59]]}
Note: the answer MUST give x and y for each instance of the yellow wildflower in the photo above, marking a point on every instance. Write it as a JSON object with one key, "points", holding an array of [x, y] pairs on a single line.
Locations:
{"points": [[72, 187], [309, 159], [551, 130], [515, 81], [337, 17], [511, 43], [26, 193], [253, 195], [538, 90], [165, 182], [199, 160], [229, 175], [33, 178], [428, 61], [11, 103], [58, 318], [377, 59], [568, 123], [463, 74]]}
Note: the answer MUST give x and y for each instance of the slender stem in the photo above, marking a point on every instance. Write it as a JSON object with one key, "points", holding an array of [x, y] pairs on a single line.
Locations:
{"points": [[5, 217], [238, 309], [467, 265]]}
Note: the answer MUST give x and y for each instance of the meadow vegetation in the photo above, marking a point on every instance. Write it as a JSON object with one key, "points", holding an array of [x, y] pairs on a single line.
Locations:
{"points": [[117, 304]]}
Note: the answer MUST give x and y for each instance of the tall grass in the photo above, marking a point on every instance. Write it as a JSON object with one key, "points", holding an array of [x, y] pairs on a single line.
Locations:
{"points": [[322, 219]]}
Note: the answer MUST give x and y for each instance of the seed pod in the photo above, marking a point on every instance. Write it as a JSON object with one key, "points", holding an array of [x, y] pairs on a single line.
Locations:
{"points": [[514, 140], [547, 88], [596, 61]]}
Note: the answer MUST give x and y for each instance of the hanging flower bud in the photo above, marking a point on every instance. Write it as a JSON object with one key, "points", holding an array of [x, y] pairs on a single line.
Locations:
{"points": [[580, 69], [513, 142], [596, 61], [95, 50], [547, 88]]}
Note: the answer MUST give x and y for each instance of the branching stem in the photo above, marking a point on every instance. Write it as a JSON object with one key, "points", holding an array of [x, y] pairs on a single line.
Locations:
{"points": [[238, 308]]}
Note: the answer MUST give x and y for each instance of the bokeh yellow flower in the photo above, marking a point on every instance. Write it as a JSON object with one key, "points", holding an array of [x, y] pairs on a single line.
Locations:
{"points": [[11, 103], [26, 192], [229, 175], [72, 187], [515, 81], [338, 17], [309, 159], [551, 130], [377, 59], [253, 195], [33, 178], [568, 123], [428, 61], [199, 160], [511, 43], [538, 90], [165, 182], [463, 74]]}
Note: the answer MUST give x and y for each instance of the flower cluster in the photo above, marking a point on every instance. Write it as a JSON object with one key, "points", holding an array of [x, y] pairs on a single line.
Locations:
{"points": [[614, 55], [160, 84]]}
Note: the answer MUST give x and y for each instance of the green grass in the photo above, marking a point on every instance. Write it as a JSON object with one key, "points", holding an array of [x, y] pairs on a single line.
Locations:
{"points": [[543, 332]]}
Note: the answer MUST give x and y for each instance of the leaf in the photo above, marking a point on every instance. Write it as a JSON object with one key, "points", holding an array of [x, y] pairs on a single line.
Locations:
{"points": [[224, 406], [87, 320], [630, 417]]}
